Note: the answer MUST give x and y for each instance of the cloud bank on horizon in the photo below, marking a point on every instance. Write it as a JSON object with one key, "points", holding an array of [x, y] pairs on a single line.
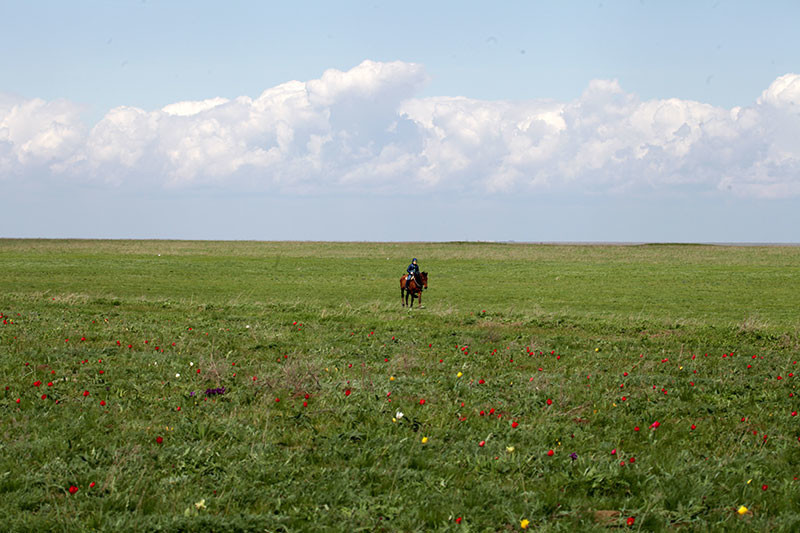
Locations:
{"points": [[365, 130]]}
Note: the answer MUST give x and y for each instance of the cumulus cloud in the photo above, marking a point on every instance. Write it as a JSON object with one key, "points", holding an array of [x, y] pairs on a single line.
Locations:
{"points": [[366, 129]]}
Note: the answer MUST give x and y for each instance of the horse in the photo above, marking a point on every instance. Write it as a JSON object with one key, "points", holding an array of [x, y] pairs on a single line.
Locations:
{"points": [[414, 288]]}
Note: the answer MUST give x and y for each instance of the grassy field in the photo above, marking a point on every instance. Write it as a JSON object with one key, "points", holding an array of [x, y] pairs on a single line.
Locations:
{"points": [[239, 386]]}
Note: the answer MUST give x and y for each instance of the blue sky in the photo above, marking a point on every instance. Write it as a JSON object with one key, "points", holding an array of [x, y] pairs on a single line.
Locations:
{"points": [[529, 121]]}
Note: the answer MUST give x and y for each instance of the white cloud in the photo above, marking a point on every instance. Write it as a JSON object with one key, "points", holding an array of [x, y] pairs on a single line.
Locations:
{"points": [[365, 129]]}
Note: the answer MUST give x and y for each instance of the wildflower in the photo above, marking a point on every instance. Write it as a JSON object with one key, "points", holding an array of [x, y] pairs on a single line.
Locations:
{"points": [[524, 523], [202, 503], [573, 456], [85, 393], [549, 401], [630, 521], [424, 440], [550, 453], [514, 424], [482, 443], [159, 440], [510, 449], [214, 392], [742, 510], [73, 489], [398, 415], [422, 401]]}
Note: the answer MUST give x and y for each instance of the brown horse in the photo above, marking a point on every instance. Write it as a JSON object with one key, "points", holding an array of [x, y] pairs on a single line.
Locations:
{"points": [[414, 288]]}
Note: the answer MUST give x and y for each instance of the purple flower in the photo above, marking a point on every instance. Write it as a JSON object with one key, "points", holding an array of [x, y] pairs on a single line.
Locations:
{"points": [[573, 456], [215, 392]]}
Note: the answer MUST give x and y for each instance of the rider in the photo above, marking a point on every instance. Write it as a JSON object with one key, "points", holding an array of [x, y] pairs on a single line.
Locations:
{"points": [[413, 271]]}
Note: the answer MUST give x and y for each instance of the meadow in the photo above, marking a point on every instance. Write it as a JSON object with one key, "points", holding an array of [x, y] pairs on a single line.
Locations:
{"points": [[249, 386]]}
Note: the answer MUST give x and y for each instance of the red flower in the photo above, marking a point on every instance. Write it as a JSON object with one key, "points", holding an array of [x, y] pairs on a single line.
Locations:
{"points": [[103, 403], [347, 392], [655, 424], [159, 440], [636, 428], [549, 401], [482, 443], [37, 383], [764, 487], [85, 393], [550, 453], [694, 427], [514, 424], [481, 382], [630, 521], [91, 485], [458, 520], [422, 401], [632, 460], [73, 489]]}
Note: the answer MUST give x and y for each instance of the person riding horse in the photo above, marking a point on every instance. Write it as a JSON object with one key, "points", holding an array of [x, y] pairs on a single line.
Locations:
{"points": [[413, 272]]}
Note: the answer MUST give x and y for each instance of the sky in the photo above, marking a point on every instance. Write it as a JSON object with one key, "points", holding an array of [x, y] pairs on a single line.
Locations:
{"points": [[604, 121]]}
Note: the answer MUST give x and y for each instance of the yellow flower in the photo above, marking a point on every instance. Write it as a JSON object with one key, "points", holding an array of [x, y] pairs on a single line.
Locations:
{"points": [[510, 449], [391, 378], [459, 375], [742, 510], [200, 505], [424, 440], [524, 523], [748, 481], [394, 420]]}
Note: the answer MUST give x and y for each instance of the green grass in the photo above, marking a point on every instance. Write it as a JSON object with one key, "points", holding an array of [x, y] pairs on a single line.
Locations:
{"points": [[538, 322]]}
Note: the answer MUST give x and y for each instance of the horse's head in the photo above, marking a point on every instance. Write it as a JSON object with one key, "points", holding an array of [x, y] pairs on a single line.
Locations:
{"points": [[424, 276]]}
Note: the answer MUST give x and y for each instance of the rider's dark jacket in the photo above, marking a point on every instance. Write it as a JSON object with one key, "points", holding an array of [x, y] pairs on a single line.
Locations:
{"points": [[413, 269]]}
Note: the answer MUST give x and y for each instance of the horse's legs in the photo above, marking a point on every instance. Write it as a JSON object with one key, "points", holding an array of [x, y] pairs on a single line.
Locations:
{"points": [[402, 296]]}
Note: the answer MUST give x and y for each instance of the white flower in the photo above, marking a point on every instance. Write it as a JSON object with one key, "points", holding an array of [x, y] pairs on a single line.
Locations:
{"points": [[191, 363], [177, 375], [398, 415]]}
